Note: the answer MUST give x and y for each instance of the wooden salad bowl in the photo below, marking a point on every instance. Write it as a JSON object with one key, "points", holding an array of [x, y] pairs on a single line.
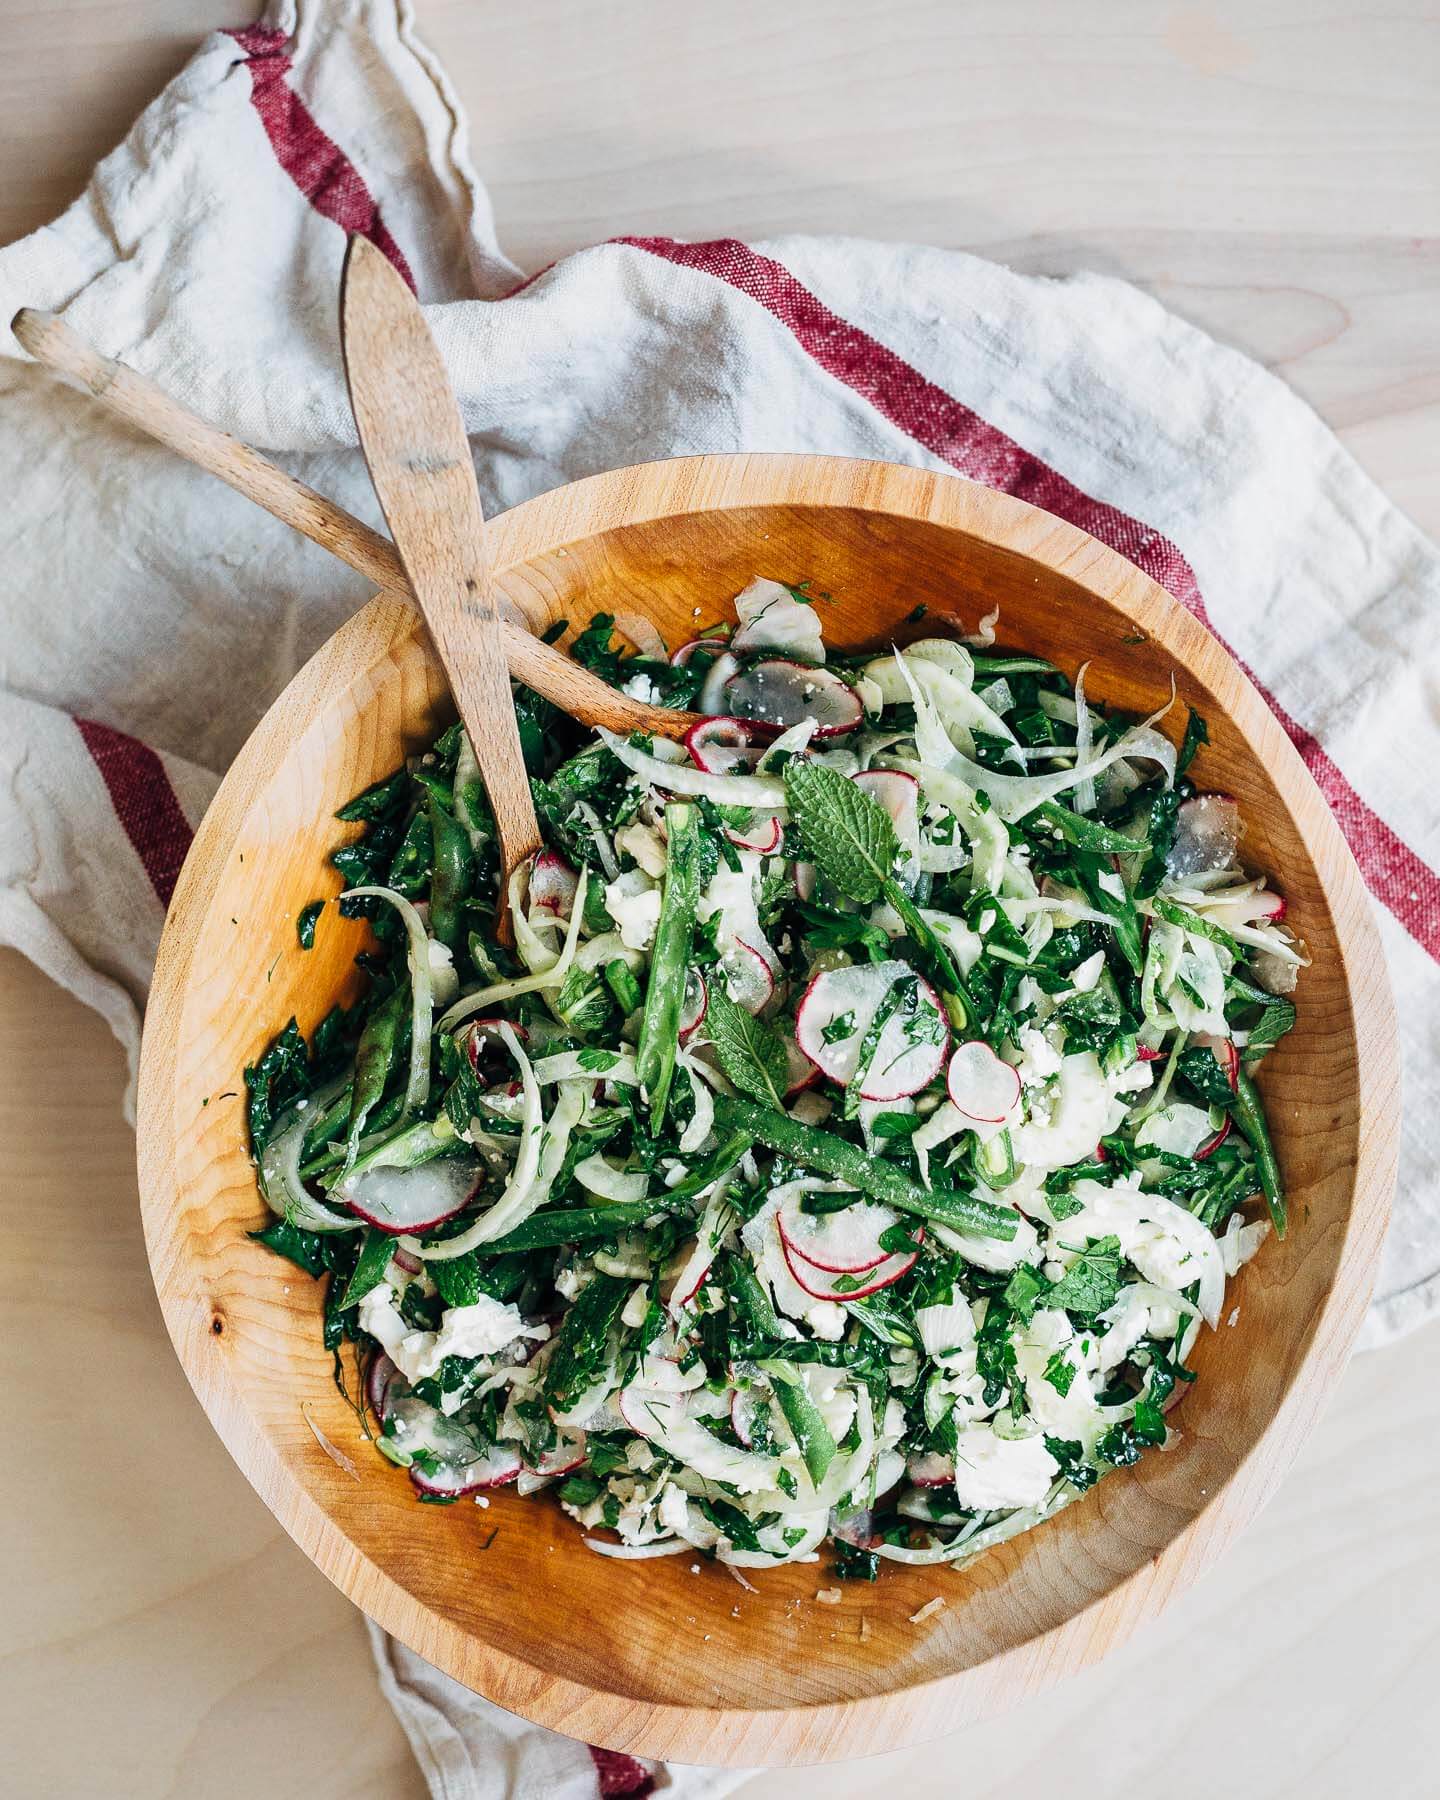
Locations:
{"points": [[671, 1658]]}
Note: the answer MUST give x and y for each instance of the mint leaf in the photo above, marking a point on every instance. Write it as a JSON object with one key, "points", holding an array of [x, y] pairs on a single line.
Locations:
{"points": [[751, 1051], [1092, 1281], [850, 839], [1060, 1373], [840, 1027]]}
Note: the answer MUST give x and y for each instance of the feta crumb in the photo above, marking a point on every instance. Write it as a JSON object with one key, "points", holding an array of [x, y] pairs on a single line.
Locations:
{"points": [[482, 1499], [1234, 1318], [694, 1568], [827, 1320]]}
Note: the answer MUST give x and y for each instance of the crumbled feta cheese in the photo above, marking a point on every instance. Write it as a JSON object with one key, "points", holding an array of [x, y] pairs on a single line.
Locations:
{"points": [[643, 843], [641, 687], [633, 902], [568, 1283], [672, 1511], [1039, 1059], [993, 1472], [827, 1320]]}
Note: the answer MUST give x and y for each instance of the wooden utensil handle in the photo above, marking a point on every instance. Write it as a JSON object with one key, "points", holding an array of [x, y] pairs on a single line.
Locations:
{"points": [[136, 398], [142, 403]]}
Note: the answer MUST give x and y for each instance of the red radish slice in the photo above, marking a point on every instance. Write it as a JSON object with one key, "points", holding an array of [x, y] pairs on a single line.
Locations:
{"points": [[899, 794], [1207, 835], [932, 1470], [838, 1243], [821, 1285], [1225, 1054], [722, 746], [1209, 1149], [410, 1200], [744, 1414], [412, 1265], [835, 1012], [553, 884], [713, 646], [377, 1380], [980, 1085], [565, 1454], [858, 1529], [694, 1005], [775, 694], [763, 833], [691, 1278], [483, 1034], [1150, 1055], [801, 1073], [495, 1468], [749, 979]]}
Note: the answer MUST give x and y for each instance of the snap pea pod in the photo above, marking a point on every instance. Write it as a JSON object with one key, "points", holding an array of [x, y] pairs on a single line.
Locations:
{"points": [[1085, 834], [844, 1161], [669, 959], [574, 1225], [813, 1437], [1249, 1115], [379, 1051], [453, 876]]}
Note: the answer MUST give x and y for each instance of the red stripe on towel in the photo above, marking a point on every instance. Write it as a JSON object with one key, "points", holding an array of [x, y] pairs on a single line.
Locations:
{"points": [[621, 1777], [312, 159], [945, 427], [144, 802]]}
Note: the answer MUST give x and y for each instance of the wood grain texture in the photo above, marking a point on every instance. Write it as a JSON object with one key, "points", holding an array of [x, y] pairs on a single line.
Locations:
{"points": [[419, 460], [664, 1667]]}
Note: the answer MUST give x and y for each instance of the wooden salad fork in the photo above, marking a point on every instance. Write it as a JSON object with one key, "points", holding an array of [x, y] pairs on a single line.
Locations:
{"points": [[140, 402], [419, 460]]}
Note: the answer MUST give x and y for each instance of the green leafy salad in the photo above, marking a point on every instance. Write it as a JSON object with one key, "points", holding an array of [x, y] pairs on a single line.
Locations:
{"points": [[855, 1142]]}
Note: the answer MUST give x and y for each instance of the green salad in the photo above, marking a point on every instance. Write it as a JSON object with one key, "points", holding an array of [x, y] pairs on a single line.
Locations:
{"points": [[863, 1128]]}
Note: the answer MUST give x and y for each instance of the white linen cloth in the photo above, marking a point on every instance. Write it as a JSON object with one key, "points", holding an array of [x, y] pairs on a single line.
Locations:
{"points": [[148, 615]]}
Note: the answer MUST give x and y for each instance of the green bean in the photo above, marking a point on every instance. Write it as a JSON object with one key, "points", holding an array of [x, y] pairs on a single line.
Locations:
{"points": [[873, 1175], [1250, 1117], [669, 959], [1085, 834], [376, 1055], [454, 874]]}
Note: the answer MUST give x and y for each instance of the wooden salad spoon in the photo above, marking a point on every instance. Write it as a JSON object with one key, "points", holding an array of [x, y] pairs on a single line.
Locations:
{"points": [[419, 460], [140, 402]]}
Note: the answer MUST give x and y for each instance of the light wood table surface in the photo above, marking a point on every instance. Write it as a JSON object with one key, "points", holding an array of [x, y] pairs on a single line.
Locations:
{"points": [[1273, 172]]}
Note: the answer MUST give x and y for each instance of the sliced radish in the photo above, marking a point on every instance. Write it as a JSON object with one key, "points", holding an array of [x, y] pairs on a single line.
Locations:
{"points": [[749, 979], [1147, 1055], [412, 1265], [800, 1072], [836, 1011], [713, 646], [837, 1243], [980, 1085], [899, 794], [1215, 1142], [1207, 835], [482, 1034], [1225, 1053], [745, 1411], [858, 1529], [722, 746], [691, 1278], [553, 884], [822, 1285], [377, 1380], [775, 694], [711, 698], [498, 1466], [763, 834], [565, 1454], [931, 1470], [694, 1005], [411, 1200], [413, 1426]]}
